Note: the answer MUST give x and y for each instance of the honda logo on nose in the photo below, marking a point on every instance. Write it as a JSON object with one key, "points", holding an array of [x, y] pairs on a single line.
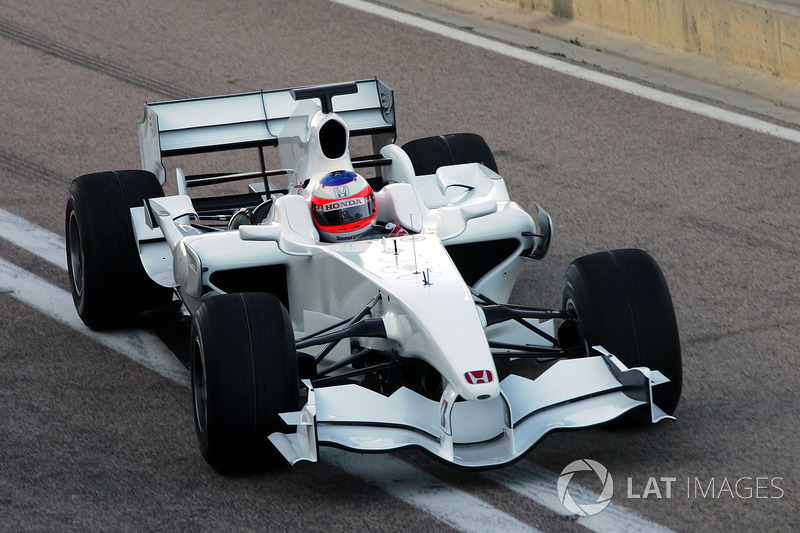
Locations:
{"points": [[477, 377]]}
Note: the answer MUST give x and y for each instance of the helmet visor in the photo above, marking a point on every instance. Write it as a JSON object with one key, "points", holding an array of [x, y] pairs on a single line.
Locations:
{"points": [[342, 214]]}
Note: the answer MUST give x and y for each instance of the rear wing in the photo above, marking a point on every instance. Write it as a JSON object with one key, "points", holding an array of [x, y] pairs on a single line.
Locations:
{"points": [[253, 120]]}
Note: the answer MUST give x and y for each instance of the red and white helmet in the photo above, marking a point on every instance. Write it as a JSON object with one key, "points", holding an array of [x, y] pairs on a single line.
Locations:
{"points": [[343, 206]]}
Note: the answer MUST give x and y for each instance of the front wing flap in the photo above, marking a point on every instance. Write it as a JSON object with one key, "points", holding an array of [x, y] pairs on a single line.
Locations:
{"points": [[572, 394]]}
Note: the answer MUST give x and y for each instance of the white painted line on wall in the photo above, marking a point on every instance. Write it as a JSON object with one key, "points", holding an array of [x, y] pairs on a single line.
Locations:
{"points": [[563, 67]]}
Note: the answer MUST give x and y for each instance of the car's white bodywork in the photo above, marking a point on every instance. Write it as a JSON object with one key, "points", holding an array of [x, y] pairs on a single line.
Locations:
{"points": [[427, 309]]}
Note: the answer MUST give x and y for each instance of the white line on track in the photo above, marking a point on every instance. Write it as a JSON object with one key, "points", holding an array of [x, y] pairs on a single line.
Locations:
{"points": [[537, 484], [28, 236], [600, 78], [139, 346], [399, 479], [413, 486]]}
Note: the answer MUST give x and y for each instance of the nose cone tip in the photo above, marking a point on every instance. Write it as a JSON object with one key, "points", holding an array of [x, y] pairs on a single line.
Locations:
{"points": [[481, 391]]}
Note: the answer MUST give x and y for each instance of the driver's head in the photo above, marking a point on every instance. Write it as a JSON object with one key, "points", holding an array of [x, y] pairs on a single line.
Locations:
{"points": [[343, 206]]}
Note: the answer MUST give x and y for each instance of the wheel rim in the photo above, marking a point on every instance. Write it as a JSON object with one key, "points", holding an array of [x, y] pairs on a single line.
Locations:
{"points": [[569, 305], [199, 385], [75, 254]]}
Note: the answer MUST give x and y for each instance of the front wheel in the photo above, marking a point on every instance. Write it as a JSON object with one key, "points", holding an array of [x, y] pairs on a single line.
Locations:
{"points": [[244, 373], [622, 302]]}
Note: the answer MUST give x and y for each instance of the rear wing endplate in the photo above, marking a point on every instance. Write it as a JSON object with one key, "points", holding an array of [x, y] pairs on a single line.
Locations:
{"points": [[247, 120]]}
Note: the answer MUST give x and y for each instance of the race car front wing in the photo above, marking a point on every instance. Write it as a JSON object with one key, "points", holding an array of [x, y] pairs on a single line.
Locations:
{"points": [[571, 394]]}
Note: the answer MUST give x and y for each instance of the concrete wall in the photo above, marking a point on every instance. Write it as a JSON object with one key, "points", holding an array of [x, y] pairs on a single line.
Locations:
{"points": [[761, 36]]}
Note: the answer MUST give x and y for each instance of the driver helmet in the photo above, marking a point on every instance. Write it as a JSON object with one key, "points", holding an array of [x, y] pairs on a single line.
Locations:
{"points": [[343, 206]]}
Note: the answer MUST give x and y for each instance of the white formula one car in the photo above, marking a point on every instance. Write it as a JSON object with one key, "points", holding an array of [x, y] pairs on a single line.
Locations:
{"points": [[368, 313]]}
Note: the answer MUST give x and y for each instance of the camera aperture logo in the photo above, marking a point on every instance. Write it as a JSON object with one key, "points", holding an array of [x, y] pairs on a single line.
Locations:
{"points": [[585, 508]]}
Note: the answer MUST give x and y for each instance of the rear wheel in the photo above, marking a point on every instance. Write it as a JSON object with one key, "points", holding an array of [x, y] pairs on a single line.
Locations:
{"points": [[244, 373], [622, 303], [430, 153], [109, 285]]}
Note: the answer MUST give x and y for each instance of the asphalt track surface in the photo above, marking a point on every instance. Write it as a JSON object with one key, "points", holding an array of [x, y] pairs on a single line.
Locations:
{"points": [[90, 440]]}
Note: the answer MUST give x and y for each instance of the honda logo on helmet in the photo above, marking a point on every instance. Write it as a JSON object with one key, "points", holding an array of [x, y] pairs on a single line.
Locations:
{"points": [[342, 204], [342, 192], [478, 377]]}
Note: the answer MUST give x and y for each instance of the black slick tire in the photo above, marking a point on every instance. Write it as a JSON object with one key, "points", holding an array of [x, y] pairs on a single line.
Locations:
{"points": [[430, 153], [109, 285], [622, 303], [244, 373]]}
